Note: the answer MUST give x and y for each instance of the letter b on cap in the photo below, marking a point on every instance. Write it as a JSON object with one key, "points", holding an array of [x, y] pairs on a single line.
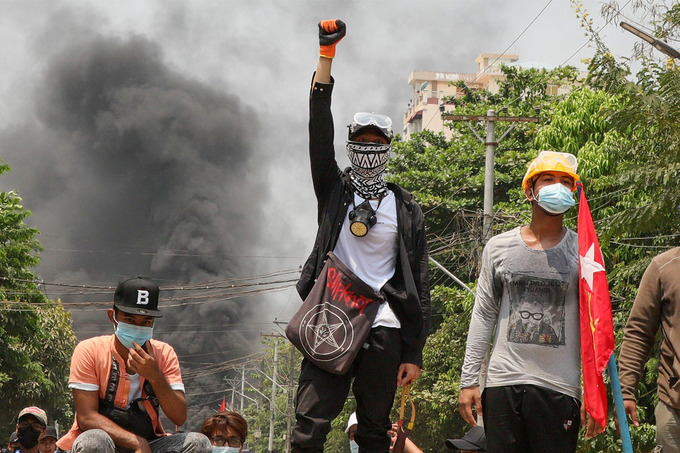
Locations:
{"points": [[142, 297]]}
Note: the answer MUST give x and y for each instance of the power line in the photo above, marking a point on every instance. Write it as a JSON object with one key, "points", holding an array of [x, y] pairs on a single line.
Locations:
{"points": [[513, 42], [591, 38]]}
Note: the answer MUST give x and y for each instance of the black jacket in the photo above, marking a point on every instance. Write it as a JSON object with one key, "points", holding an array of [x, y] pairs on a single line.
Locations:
{"points": [[408, 291]]}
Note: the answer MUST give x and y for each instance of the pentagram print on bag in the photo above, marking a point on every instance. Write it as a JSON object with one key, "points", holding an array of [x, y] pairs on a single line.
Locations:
{"points": [[334, 320]]}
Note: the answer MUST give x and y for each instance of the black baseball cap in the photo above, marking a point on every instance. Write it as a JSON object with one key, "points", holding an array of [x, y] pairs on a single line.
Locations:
{"points": [[473, 440], [137, 296], [50, 431]]}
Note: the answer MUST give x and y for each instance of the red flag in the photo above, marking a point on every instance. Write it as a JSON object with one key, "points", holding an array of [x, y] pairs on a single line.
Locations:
{"points": [[223, 406], [597, 327]]}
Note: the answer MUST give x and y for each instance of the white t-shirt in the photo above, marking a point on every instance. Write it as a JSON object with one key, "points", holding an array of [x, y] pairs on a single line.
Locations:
{"points": [[135, 389], [373, 257]]}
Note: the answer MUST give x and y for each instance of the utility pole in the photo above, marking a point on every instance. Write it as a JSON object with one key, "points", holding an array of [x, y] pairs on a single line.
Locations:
{"points": [[272, 400], [291, 385], [490, 144], [233, 391], [490, 147], [243, 386]]}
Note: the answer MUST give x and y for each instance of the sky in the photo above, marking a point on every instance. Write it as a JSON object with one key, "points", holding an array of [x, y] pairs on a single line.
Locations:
{"points": [[169, 138]]}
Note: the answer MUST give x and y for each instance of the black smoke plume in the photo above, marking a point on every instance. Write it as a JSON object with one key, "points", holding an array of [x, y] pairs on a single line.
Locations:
{"points": [[131, 168]]}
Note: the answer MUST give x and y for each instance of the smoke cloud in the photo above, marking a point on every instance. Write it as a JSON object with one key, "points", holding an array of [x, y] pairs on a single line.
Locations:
{"points": [[132, 168], [137, 161]]}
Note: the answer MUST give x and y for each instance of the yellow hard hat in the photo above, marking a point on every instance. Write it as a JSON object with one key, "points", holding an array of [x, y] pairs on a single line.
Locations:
{"points": [[551, 161]]}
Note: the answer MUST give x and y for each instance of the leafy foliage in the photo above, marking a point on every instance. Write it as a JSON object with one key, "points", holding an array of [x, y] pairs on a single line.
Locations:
{"points": [[36, 337]]}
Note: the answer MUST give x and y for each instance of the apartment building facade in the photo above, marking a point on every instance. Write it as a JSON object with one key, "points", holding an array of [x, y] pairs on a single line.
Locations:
{"points": [[429, 88]]}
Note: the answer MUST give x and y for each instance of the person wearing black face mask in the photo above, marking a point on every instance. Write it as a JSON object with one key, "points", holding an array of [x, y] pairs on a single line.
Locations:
{"points": [[377, 230], [30, 424]]}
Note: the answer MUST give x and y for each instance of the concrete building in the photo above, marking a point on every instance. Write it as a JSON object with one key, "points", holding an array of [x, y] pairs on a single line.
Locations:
{"points": [[429, 88]]}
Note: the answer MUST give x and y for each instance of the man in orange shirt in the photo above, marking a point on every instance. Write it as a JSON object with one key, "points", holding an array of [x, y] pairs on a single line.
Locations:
{"points": [[120, 381]]}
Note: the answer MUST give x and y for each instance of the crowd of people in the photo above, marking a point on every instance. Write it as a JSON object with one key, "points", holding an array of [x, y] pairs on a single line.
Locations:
{"points": [[224, 432], [525, 314]]}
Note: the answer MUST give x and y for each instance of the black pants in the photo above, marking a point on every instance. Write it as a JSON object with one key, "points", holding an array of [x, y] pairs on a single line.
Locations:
{"points": [[530, 419], [321, 396]]}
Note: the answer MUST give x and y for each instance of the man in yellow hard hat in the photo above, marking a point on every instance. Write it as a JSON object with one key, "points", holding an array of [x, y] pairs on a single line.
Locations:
{"points": [[531, 399]]}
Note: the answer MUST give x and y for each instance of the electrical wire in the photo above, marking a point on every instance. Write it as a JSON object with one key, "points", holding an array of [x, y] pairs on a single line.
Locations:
{"points": [[590, 39], [514, 41]]}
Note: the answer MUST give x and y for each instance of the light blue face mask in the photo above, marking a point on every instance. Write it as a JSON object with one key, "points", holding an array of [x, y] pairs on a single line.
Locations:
{"points": [[127, 333], [216, 449], [555, 198], [353, 446]]}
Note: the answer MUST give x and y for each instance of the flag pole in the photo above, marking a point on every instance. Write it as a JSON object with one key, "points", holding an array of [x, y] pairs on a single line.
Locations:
{"points": [[618, 405]]}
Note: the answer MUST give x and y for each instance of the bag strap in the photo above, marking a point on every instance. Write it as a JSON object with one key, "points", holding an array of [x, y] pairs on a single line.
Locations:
{"points": [[114, 377], [150, 394]]}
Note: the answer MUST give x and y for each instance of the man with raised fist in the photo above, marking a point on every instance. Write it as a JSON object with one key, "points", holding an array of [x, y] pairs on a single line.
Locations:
{"points": [[377, 230]]}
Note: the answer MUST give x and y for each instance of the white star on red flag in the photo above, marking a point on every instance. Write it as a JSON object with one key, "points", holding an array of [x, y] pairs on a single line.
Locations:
{"points": [[589, 266]]}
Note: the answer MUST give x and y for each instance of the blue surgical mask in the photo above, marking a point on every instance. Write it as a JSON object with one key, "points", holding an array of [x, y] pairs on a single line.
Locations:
{"points": [[555, 198], [353, 446], [127, 333], [216, 449]]}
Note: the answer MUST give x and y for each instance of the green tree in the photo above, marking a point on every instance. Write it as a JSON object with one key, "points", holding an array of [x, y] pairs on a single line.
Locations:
{"points": [[258, 411], [36, 337]]}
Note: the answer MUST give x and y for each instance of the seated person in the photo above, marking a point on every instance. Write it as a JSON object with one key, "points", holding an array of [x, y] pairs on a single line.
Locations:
{"points": [[350, 430], [121, 381], [227, 431], [409, 445]]}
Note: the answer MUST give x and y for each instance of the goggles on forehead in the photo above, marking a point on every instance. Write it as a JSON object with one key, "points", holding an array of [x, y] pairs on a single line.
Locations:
{"points": [[567, 160], [382, 123], [365, 119]]}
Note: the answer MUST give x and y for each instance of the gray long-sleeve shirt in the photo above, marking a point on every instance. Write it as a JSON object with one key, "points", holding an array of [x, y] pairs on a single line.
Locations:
{"points": [[531, 298]]}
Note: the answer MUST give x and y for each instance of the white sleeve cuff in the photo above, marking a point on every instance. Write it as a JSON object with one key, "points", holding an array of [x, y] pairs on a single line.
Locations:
{"points": [[81, 386], [179, 386]]}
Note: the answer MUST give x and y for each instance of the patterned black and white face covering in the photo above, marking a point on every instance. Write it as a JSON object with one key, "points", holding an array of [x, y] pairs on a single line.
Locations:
{"points": [[368, 165]]}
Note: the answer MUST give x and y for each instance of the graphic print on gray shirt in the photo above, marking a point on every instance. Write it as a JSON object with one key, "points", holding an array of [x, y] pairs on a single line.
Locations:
{"points": [[536, 310]]}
